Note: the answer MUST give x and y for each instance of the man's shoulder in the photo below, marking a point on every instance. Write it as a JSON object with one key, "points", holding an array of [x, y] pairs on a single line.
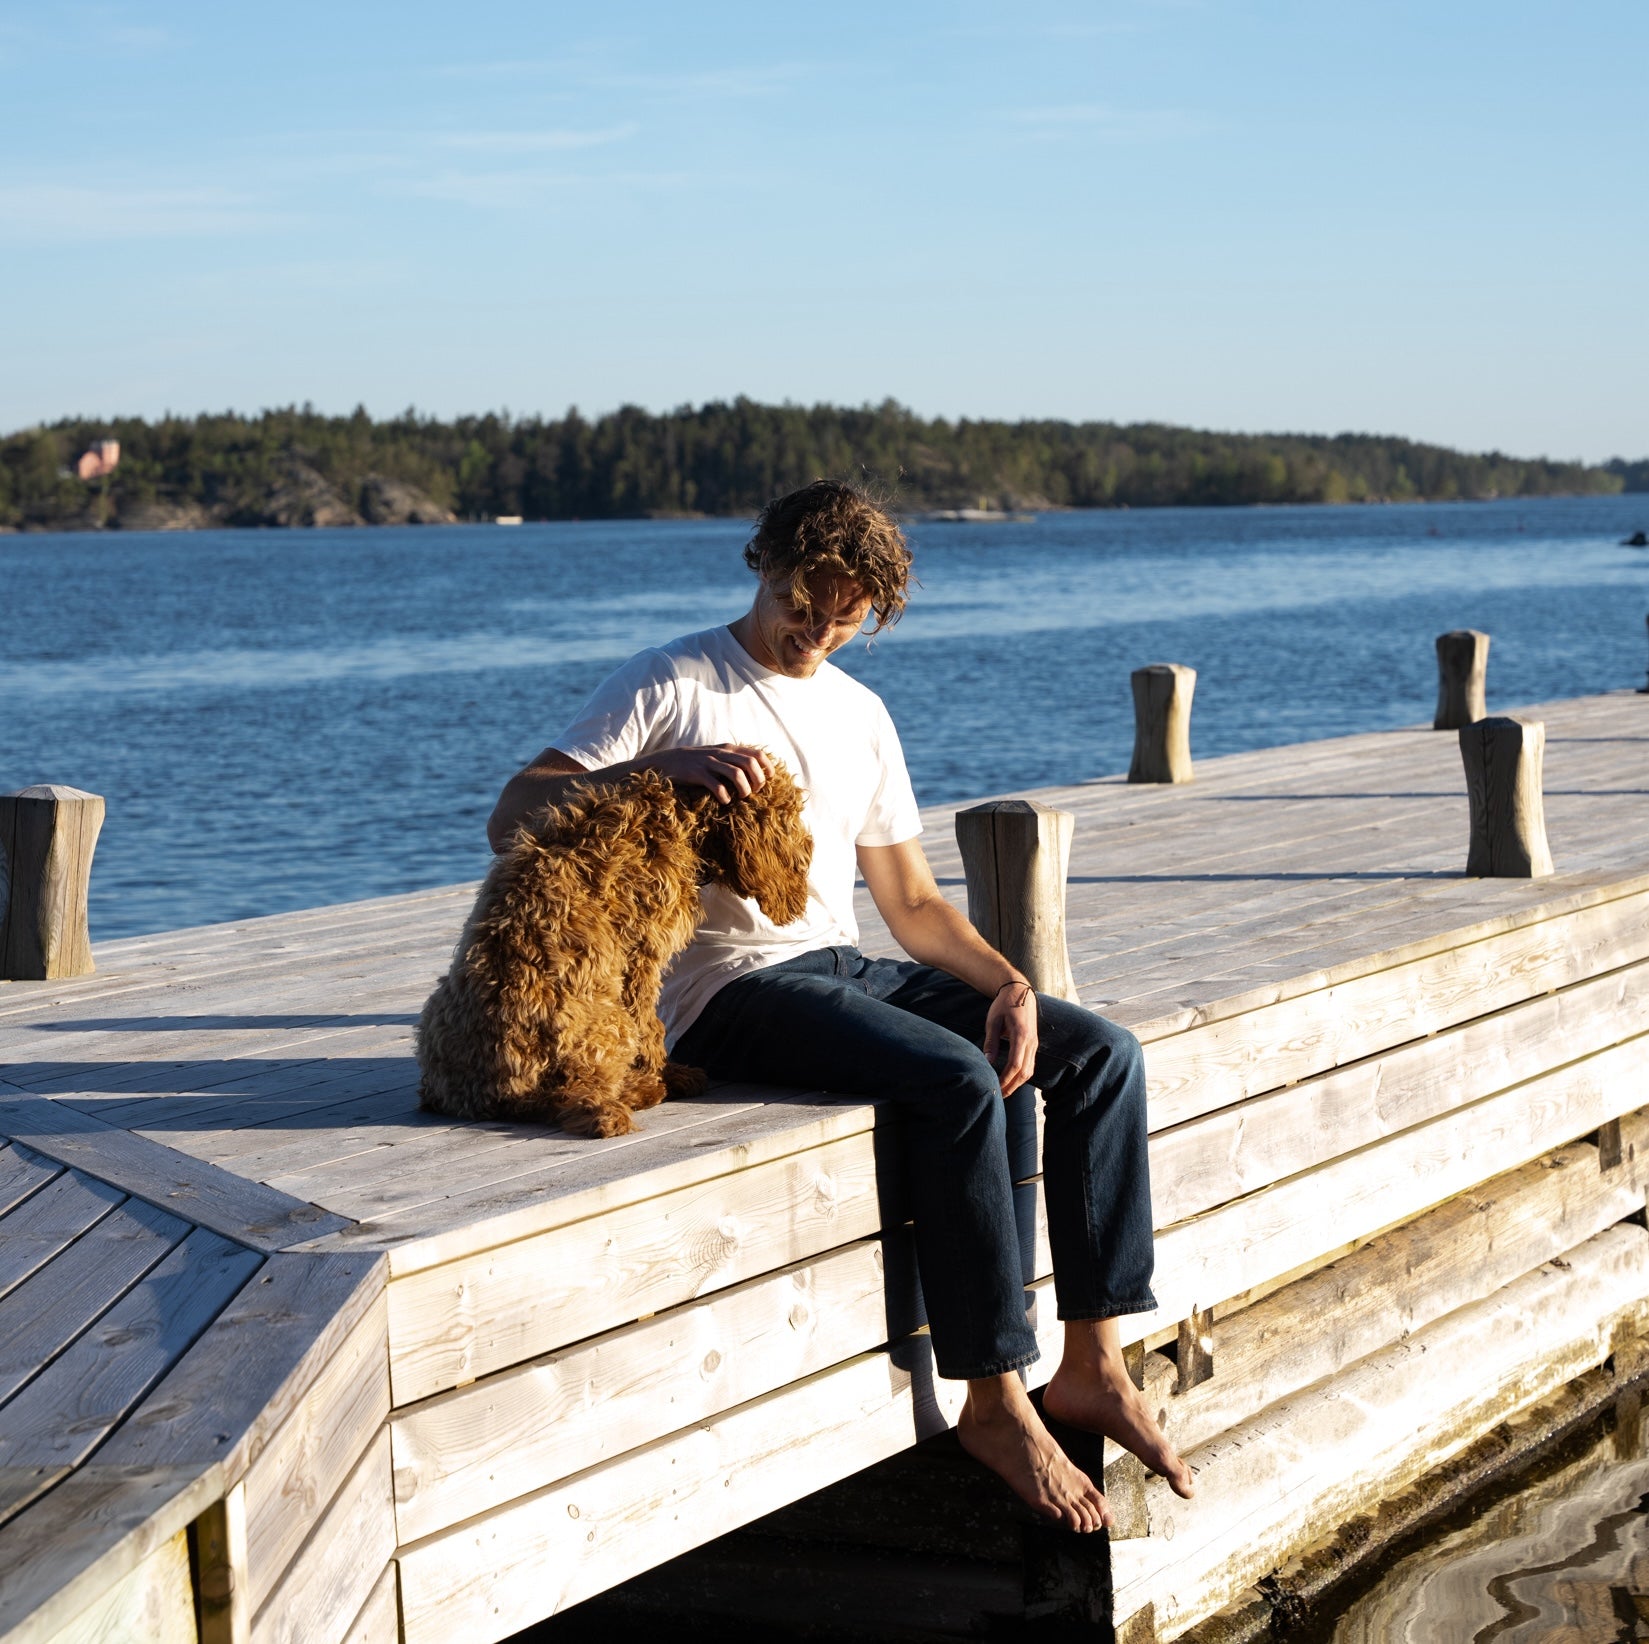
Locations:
{"points": [[853, 694], [673, 657]]}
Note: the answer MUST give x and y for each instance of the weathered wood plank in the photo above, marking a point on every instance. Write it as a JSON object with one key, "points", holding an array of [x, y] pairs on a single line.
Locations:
{"points": [[1405, 1279], [65, 1413], [489, 1577], [732, 1128], [1231, 1249], [58, 1558], [278, 1334], [460, 1321], [464, 1452], [1234, 1058], [153, 1602], [47, 835], [380, 1619], [64, 1297], [22, 1173], [441, 1163], [1238, 1149], [306, 1462], [247, 1212], [337, 1568], [54, 1218]]}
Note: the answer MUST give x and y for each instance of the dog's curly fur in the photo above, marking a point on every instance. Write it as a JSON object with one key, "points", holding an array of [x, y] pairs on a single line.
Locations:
{"points": [[549, 1010]]}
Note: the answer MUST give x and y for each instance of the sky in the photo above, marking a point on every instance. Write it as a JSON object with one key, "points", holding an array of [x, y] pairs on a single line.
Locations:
{"points": [[1421, 219]]}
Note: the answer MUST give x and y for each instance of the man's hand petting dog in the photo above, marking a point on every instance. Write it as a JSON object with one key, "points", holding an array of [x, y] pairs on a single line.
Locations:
{"points": [[726, 769]]}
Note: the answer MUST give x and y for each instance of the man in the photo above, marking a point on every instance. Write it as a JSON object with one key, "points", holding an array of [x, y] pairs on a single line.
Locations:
{"points": [[944, 1037]]}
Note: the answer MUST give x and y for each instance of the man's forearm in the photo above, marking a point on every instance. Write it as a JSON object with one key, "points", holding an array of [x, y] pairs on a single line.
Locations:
{"points": [[547, 781], [936, 934]]}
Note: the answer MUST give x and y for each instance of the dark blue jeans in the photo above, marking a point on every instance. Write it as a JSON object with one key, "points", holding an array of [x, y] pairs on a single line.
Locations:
{"points": [[912, 1035]]}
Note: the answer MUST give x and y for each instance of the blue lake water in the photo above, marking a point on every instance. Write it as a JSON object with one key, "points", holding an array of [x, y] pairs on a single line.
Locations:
{"points": [[283, 719]]}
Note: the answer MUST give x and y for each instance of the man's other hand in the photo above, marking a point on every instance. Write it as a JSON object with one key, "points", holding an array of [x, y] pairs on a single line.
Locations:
{"points": [[1010, 1035]]}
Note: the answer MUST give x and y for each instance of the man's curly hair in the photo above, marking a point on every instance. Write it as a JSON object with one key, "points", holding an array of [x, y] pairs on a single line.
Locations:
{"points": [[830, 528]]}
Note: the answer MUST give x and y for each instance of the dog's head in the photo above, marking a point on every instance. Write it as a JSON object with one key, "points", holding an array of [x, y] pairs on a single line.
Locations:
{"points": [[758, 846]]}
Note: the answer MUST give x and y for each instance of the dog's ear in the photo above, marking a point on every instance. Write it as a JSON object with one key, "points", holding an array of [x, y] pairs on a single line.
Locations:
{"points": [[759, 847]]}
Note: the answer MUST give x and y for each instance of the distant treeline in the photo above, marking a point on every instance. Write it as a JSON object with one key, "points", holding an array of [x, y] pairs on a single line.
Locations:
{"points": [[297, 467]]}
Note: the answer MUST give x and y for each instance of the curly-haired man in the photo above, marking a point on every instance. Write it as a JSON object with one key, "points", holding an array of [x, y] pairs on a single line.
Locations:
{"points": [[944, 1036]]}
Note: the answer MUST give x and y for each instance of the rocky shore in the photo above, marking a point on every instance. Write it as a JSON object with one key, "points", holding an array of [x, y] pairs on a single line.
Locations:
{"points": [[300, 497]]}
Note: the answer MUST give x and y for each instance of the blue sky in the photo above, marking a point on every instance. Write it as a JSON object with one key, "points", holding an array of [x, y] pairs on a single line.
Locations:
{"points": [[1425, 219]]}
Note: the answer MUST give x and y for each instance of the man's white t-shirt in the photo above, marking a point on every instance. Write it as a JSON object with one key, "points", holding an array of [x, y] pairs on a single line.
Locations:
{"points": [[840, 745]]}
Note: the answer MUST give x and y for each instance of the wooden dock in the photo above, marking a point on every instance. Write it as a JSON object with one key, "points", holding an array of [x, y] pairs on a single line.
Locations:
{"points": [[282, 1358]]}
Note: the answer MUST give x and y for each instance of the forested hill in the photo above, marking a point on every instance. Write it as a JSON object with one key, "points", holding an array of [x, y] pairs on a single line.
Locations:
{"points": [[297, 467]]}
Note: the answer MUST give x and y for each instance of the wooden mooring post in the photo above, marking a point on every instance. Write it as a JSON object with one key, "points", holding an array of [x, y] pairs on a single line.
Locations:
{"points": [[1162, 722], [1504, 759], [1462, 673], [1015, 854], [47, 836]]}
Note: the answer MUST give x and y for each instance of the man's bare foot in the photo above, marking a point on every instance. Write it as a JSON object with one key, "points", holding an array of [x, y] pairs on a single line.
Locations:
{"points": [[1092, 1390], [1001, 1430]]}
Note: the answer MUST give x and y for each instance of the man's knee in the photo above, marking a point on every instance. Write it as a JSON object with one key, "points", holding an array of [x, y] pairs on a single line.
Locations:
{"points": [[961, 1083], [1082, 1040]]}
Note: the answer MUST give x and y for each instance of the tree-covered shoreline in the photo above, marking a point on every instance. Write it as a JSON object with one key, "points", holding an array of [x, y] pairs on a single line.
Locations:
{"points": [[297, 467]]}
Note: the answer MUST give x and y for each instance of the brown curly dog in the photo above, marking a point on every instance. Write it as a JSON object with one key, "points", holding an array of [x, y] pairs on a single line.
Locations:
{"points": [[549, 1010]]}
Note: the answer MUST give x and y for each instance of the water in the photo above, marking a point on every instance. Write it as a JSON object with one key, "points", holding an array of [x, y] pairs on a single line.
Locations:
{"points": [[1565, 1558], [284, 719]]}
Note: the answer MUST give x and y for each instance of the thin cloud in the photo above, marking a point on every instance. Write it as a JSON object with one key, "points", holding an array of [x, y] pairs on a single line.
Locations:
{"points": [[534, 142], [1108, 123], [516, 190], [60, 212], [757, 80]]}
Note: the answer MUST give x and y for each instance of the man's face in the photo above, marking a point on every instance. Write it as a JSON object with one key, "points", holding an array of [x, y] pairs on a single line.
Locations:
{"points": [[794, 640]]}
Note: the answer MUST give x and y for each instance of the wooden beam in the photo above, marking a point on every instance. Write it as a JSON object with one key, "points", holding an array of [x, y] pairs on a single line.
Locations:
{"points": [[65, 1413], [1194, 1350], [225, 1401], [47, 836], [1504, 759], [489, 1577], [342, 1562], [506, 1435], [1248, 1145], [224, 1590], [1211, 1065], [380, 1619], [1462, 669], [1162, 722], [1402, 1281], [454, 1323], [1233, 1248], [314, 1450], [71, 1548], [1015, 854]]}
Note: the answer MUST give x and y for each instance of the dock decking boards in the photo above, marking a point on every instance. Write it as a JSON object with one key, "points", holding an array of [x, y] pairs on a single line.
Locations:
{"points": [[461, 1332]]}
